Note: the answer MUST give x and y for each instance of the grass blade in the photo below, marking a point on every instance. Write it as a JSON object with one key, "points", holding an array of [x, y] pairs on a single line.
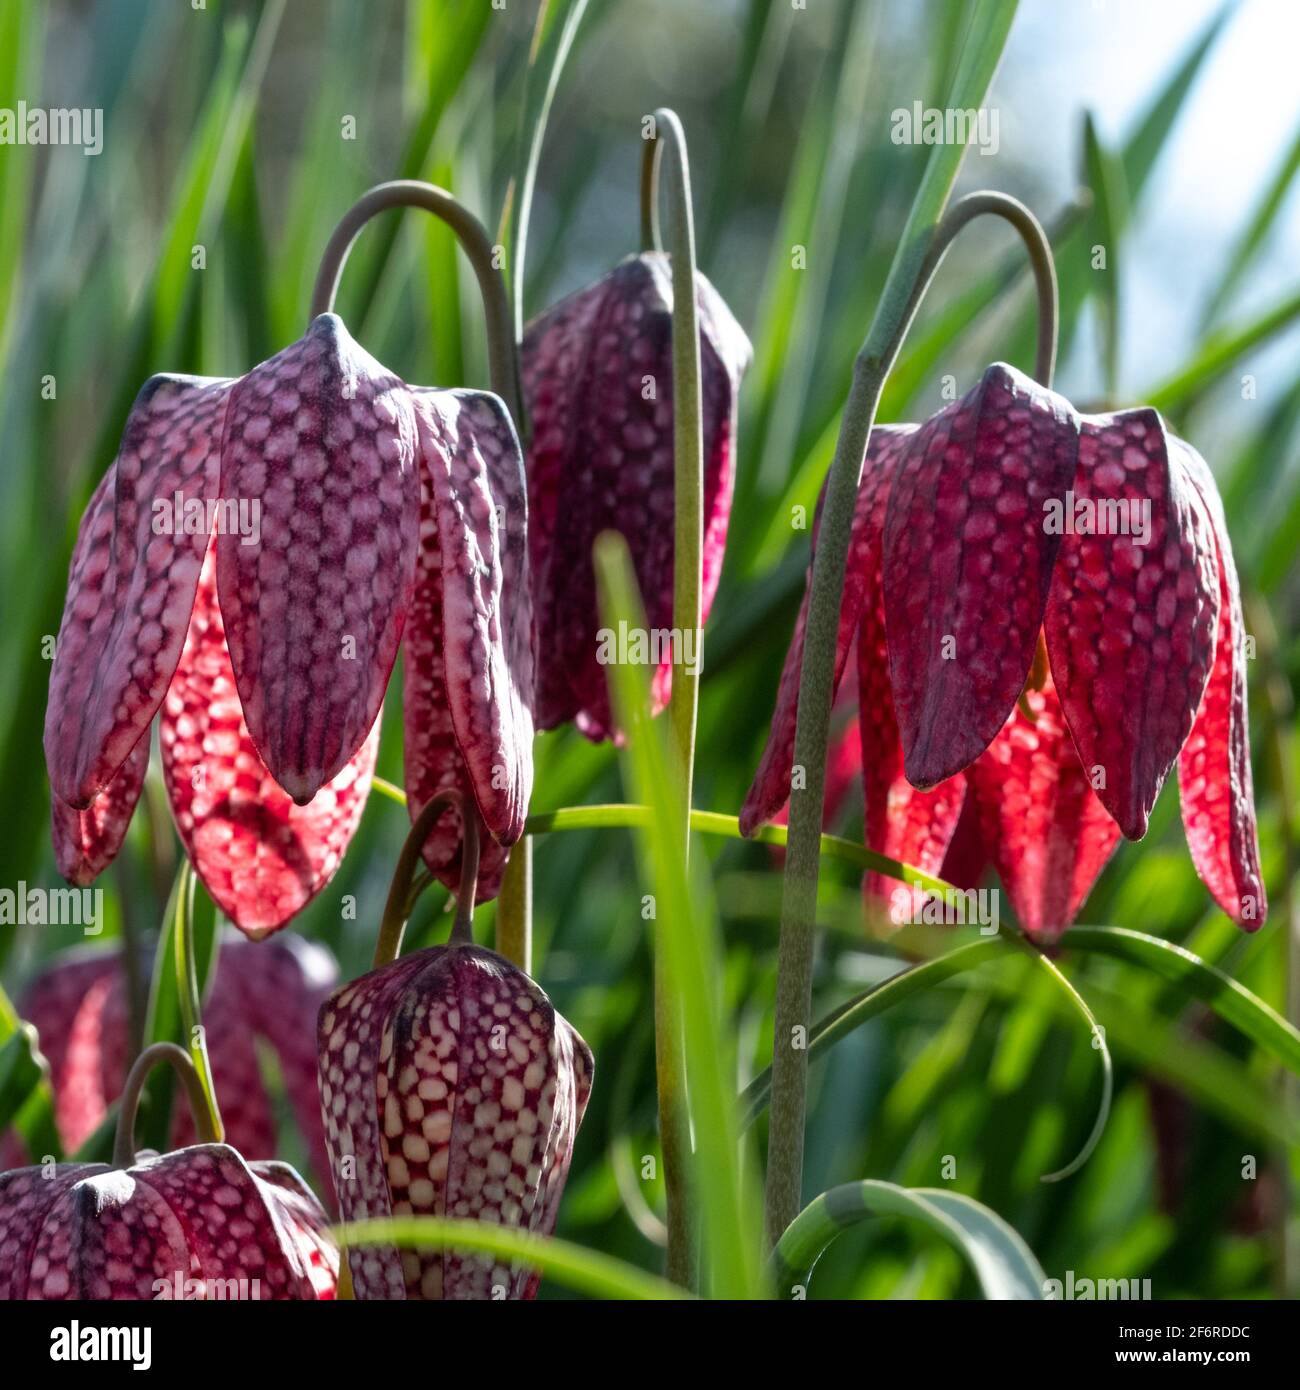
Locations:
{"points": [[685, 935], [1003, 1263]]}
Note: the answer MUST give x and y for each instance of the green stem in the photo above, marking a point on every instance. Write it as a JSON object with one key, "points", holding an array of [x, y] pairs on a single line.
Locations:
{"points": [[622, 814], [503, 357], [189, 1000], [515, 907], [400, 898], [124, 1141], [914, 263], [688, 546]]}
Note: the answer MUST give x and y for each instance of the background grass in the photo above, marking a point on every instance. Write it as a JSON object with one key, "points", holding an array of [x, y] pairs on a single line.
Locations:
{"points": [[224, 127]]}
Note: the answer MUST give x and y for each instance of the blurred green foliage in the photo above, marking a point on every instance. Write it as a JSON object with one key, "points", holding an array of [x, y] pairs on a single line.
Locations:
{"points": [[226, 127]]}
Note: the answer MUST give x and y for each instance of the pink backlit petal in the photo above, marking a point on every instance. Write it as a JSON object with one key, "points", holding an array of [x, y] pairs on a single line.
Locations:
{"points": [[1214, 775], [1046, 831], [260, 856]]}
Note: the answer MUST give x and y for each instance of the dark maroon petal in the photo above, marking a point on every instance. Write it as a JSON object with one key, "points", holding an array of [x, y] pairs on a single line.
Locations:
{"points": [[967, 856], [304, 1226], [86, 842], [468, 673], [131, 583], [167, 1227], [968, 562], [104, 1236], [29, 1201], [260, 856], [1214, 777], [771, 787], [458, 1090], [1130, 622], [323, 438], [597, 373], [1048, 834], [234, 1221]]}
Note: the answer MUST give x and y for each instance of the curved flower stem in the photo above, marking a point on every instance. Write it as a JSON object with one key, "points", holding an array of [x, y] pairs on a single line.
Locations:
{"points": [[189, 998], [919, 252], [124, 1140], [400, 897], [515, 907], [688, 545], [650, 161], [503, 357]]}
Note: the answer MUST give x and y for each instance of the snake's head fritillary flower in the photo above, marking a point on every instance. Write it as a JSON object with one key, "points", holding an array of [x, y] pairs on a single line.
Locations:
{"points": [[264, 995], [248, 566], [450, 1087], [597, 375], [1005, 526], [197, 1223]]}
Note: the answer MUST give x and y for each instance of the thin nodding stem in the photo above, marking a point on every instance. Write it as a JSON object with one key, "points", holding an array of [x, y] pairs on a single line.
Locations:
{"points": [[503, 356], [400, 896], [1013, 211], [651, 155], [124, 1140], [688, 540]]}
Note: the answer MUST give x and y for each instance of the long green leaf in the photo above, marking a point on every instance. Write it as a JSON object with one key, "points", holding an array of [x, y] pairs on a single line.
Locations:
{"points": [[685, 934], [585, 1270], [26, 1097], [1004, 1265], [1098, 1038], [1234, 1003], [873, 1002], [1109, 215]]}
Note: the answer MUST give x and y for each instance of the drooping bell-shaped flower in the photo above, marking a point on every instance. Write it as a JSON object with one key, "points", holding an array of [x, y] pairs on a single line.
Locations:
{"points": [[196, 1223], [248, 566], [1004, 526], [199, 1222], [597, 376], [262, 995], [450, 1087]]}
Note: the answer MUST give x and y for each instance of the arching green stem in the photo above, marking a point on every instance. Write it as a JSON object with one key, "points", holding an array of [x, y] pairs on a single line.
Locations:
{"points": [[794, 960], [398, 906], [124, 1142], [189, 997], [503, 358]]}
